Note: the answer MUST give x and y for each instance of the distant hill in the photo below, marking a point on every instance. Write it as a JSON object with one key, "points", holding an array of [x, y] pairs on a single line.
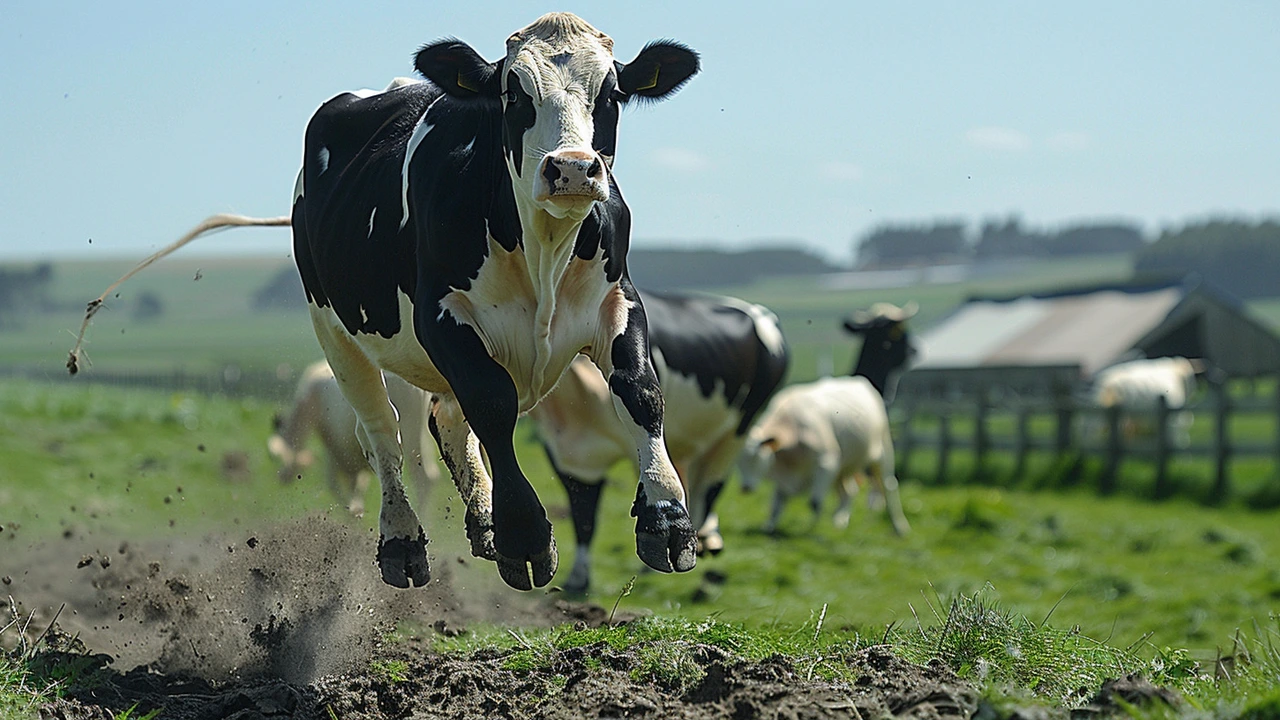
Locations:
{"points": [[691, 269], [282, 292]]}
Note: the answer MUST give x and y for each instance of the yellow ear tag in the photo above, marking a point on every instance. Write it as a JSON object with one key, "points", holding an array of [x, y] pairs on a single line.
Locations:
{"points": [[465, 86], [653, 81]]}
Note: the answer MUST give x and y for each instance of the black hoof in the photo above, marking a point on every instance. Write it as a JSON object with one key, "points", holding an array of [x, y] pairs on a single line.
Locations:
{"points": [[480, 533], [516, 571], [665, 539], [404, 561]]}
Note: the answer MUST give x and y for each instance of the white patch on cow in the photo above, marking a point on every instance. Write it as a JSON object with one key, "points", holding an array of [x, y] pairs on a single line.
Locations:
{"points": [[322, 157], [766, 325], [372, 215], [693, 422], [534, 309], [420, 131]]}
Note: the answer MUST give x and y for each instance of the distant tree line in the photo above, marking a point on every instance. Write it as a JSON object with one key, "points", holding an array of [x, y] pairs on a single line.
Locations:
{"points": [[23, 291], [678, 268], [1240, 256], [943, 242]]}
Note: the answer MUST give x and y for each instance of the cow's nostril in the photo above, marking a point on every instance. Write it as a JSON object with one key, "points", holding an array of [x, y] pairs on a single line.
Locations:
{"points": [[551, 172], [594, 169]]}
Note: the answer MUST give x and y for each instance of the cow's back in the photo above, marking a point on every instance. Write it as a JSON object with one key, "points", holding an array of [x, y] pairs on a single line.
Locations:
{"points": [[351, 249]]}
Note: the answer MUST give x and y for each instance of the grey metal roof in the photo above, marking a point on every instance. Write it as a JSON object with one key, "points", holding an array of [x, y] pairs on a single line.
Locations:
{"points": [[1096, 327]]}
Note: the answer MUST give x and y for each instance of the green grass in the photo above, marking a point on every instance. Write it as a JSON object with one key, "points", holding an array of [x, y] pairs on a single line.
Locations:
{"points": [[87, 458]]}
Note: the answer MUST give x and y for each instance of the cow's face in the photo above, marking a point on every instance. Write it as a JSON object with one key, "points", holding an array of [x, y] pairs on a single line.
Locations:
{"points": [[560, 93]]}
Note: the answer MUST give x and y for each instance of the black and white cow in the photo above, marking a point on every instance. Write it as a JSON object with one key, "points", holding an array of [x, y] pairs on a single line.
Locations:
{"points": [[468, 235], [719, 360]]}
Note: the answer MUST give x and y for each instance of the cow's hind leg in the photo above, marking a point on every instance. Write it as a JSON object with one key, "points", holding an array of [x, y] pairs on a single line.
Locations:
{"points": [[665, 538], [584, 503], [461, 452], [402, 544]]}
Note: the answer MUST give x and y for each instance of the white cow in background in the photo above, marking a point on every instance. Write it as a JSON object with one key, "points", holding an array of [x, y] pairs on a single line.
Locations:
{"points": [[318, 406], [1139, 385], [835, 432]]}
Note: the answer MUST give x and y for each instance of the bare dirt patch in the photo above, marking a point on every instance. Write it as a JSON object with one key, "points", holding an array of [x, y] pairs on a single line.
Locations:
{"points": [[293, 622]]}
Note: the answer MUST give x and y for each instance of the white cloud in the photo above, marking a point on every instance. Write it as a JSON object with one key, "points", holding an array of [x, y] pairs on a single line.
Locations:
{"points": [[839, 170], [1070, 141], [1001, 139], [680, 159]]}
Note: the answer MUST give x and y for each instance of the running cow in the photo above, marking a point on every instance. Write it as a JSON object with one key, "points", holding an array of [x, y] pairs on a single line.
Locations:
{"points": [[719, 361], [467, 234]]}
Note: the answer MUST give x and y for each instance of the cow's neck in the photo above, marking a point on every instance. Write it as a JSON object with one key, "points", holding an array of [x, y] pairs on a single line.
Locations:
{"points": [[874, 367]]}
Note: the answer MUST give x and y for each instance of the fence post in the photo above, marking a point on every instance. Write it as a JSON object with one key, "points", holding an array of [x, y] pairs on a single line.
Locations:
{"points": [[1065, 410], [1277, 419], [1115, 448], [944, 445], [1020, 461], [1221, 444], [1162, 447], [981, 439]]}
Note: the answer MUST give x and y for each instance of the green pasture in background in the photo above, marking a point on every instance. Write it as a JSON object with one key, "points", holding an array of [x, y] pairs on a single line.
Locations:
{"points": [[149, 464]]}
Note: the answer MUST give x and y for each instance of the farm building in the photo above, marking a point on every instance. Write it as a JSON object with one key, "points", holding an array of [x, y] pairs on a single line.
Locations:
{"points": [[1032, 355], [1051, 343]]}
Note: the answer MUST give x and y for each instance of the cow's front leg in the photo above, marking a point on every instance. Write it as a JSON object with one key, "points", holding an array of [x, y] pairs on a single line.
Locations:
{"points": [[522, 541], [665, 539]]}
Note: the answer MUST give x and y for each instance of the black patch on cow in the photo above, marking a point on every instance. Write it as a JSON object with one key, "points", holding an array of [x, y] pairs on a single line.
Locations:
{"points": [[633, 380], [886, 348], [716, 343], [606, 231], [604, 117], [518, 116], [353, 154]]}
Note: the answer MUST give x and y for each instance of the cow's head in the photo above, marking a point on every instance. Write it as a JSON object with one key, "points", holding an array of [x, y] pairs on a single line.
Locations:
{"points": [[560, 91], [887, 347]]}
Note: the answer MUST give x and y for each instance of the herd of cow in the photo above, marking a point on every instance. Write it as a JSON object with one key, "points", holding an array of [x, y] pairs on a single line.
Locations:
{"points": [[719, 362], [462, 242]]}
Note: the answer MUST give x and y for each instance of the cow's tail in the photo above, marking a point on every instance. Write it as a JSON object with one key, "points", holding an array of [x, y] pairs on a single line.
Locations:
{"points": [[213, 223]]}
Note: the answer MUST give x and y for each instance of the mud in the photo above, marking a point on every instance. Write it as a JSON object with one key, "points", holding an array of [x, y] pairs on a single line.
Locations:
{"points": [[590, 682], [294, 622]]}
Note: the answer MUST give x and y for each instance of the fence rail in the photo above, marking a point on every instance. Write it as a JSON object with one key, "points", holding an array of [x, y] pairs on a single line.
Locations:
{"points": [[231, 381], [1079, 427]]}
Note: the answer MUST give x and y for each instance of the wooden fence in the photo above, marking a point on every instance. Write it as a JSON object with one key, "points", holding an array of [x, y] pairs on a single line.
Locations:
{"points": [[1078, 427]]}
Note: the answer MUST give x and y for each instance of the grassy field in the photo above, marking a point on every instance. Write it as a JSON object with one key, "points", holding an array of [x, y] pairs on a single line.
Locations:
{"points": [[156, 464], [85, 461]]}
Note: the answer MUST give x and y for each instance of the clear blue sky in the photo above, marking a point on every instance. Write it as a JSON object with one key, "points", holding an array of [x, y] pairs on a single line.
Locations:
{"points": [[128, 122]]}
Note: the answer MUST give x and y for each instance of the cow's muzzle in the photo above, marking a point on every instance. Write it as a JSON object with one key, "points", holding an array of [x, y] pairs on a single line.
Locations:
{"points": [[573, 176]]}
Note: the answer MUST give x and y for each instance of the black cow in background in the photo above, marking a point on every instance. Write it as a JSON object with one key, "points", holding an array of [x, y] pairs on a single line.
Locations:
{"points": [[719, 360]]}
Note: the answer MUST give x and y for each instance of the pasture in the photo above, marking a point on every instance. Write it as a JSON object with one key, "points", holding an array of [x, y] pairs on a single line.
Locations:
{"points": [[115, 476]]}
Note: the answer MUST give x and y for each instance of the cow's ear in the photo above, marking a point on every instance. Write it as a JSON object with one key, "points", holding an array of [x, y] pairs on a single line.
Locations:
{"points": [[458, 70], [660, 69]]}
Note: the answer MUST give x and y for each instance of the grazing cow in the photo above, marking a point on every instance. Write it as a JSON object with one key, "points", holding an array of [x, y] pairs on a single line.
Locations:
{"points": [[835, 431], [468, 235], [1140, 384], [719, 360], [318, 407]]}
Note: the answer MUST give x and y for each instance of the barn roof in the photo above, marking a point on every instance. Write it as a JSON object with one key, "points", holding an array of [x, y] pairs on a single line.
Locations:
{"points": [[1087, 329]]}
